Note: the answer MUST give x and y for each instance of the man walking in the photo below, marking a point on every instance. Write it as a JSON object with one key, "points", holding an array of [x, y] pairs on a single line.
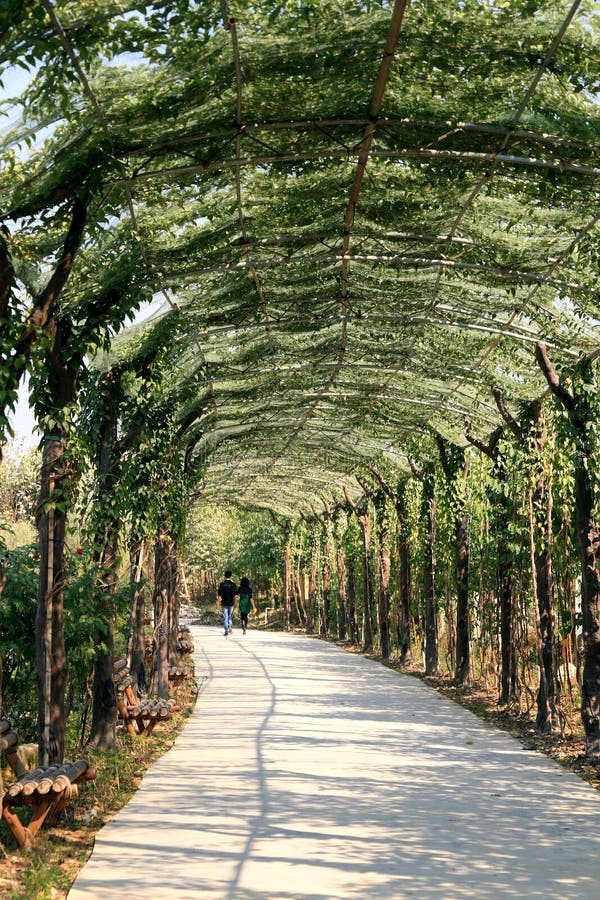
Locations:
{"points": [[226, 594]]}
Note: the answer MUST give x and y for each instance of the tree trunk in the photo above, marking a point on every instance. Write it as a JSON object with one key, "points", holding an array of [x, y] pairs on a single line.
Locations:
{"points": [[341, 577], [299, 598], [325, 620], [104, 700], [312, 590], [404, 636], [287, 585], [50, 640], [431, 611], [353, 629], [540, 512], [162, 576], [454, 466], [173, 603], [547, 715], [136, 648], [365, 527], [506, 586], [589, 545], [384, 565], [463, 643], [581, 416]]}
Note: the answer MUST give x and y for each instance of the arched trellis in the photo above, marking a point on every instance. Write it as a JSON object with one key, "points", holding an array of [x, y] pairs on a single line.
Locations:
{"points": [[363, 217]]}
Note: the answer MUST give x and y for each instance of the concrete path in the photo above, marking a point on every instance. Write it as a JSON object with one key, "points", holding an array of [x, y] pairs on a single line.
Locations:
{"points": [[309, 773]]}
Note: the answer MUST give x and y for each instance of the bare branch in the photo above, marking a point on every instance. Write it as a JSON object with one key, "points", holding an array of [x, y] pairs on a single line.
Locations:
{"points": [[349, 500], [558, 389], [504, 412], [366, 488], [491, 448], [441, 445], [45, 302], [417, 472]]}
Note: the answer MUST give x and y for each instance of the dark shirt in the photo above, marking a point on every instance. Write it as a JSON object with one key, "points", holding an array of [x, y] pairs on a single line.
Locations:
{"points": [[245, 604], [227, 591]]}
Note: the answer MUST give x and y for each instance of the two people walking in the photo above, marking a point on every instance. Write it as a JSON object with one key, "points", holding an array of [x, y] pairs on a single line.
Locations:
{"points": [[226, 597]]}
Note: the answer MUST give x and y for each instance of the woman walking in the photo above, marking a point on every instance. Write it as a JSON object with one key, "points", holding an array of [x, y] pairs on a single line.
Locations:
{"points": [[246, 603]]}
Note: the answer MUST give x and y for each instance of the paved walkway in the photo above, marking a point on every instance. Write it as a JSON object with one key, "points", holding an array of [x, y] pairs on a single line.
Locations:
{"points": [[308, 773]]}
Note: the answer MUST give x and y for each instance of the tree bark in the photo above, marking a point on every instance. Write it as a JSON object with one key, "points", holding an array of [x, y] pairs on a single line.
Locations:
{"points": [[577, 405], [353, 628], [174, 603], [136, 648], [287, 585], [454, 466], [431, 610], [463, 641], [312, 590], [403, 571], [162, 575], [384, 562], [365, 527], [364, 520], [341, 579], [404, 636], [506, 587], [50, 640], [325, 620], [543, 582]]}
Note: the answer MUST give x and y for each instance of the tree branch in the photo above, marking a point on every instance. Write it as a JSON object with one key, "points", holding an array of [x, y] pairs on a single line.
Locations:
{"points": [[46, 300], [349, 500], [441, 445], [558, 389], [504, 412], [366, 488], [384, 485], [417, 472], [7, 274], [491, 448]]}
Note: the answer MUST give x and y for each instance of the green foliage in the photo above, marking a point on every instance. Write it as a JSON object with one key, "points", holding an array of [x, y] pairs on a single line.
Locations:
{"points": [[310, 329], [249, 543], [18, 606]]}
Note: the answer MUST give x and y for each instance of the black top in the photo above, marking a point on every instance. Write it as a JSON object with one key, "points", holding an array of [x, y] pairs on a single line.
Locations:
{"points": [[227, 591]]}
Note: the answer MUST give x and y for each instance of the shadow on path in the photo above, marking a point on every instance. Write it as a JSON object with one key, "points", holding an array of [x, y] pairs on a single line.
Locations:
{"points": [[306, 773]]}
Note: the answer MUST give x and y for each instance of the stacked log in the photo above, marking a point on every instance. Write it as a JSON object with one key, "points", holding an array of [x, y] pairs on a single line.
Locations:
{"points": [[50, 780], [121, 675], [8, 745], [152, 709], [8, 738], [181, 672], [185, 643], [29, 783]]}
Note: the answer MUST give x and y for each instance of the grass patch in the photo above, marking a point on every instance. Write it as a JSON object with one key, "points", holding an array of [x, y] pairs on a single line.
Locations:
{"points": [[48, 870]]}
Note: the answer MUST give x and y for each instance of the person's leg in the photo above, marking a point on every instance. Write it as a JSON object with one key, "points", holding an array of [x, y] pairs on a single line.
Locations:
{"points": [[225, 611]]}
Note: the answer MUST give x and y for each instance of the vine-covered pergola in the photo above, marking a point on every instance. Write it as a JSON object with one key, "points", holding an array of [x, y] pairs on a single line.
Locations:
{"points": [[368, 222]]}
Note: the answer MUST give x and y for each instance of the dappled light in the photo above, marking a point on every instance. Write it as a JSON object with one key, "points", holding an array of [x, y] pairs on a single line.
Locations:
{"points": [[305, 296], [307, 772]]}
